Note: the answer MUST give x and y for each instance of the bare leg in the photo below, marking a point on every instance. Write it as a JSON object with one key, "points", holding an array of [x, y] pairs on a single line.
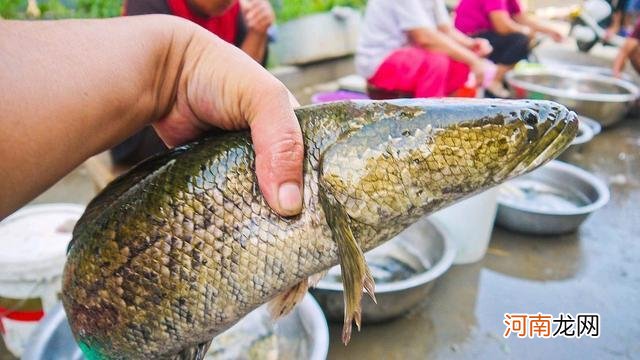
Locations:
{"points": [[502, 71], [634, 59], [497, 87]]}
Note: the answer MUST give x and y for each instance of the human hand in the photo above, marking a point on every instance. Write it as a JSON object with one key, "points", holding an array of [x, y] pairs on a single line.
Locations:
{"points": [[618, 65], [258, 15], [482, 47], [556, 36], [480, 69], [219, 86], [609, 33], [616, 73]]}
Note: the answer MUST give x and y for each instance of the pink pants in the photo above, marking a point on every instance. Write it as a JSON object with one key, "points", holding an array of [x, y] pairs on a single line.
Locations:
{"points": [[420, 72]]}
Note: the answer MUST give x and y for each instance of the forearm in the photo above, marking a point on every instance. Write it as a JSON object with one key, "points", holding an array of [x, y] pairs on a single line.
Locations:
{"points": [[623, 54], [75, 88], [437, 41], [504, 24], [515, 27], [255, 45], [457, 36], [533, 23]]}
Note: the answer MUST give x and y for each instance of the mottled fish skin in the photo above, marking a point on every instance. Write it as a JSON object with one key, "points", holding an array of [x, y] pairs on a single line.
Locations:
{"points": [[184, 245]]}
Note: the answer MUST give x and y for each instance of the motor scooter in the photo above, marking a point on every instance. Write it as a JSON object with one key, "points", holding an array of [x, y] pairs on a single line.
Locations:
{"points": [[588, 24]]}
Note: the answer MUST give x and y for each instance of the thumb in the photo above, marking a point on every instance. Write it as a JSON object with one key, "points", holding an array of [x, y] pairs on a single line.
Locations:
{"points": [[277, 140]]}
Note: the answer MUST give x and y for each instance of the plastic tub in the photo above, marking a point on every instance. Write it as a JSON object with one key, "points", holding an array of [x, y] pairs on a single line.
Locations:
{"points": [[34, 242], [469, 223]]}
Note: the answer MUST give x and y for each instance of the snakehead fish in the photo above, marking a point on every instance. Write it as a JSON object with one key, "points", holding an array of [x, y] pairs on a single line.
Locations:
{"points": [[184, 245]]}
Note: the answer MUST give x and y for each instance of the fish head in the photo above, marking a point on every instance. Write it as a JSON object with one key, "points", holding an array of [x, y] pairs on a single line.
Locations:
{"points": [[406, 158]]}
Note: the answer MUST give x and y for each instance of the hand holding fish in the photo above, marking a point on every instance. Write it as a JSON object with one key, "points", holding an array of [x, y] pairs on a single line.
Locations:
{"points": [[67, 99], [219, 86]]}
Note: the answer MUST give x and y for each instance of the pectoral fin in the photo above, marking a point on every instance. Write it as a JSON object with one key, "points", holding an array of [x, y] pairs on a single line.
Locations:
{"points": [[196, 352], [285, 302], [315, 278], [355, 272]]}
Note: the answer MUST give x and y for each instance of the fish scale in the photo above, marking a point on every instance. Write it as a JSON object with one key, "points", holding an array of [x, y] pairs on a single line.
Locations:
{"points": [[184, 245]]}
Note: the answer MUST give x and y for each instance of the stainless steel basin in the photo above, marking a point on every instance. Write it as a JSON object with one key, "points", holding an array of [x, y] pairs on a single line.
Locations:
{"points": [[600, 97], [591, 69], [587, 130], [555, 199], [303, 334], [423, 247]]}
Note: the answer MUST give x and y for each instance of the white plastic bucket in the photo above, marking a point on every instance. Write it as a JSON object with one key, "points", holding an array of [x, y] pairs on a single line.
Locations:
{"points": [[470, 225], [33, 243]]}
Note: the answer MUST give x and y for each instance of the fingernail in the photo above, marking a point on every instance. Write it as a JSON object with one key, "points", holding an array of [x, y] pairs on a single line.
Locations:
{"points": [[290, 198]]}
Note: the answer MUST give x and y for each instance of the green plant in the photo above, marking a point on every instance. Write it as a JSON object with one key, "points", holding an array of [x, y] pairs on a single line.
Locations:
{"points": [[12, 9], [60, 9], [55, 9], [99, 8], [291, 9]]}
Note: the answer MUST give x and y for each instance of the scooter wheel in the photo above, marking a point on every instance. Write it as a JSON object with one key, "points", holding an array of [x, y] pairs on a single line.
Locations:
{"points": [[586, 46]]}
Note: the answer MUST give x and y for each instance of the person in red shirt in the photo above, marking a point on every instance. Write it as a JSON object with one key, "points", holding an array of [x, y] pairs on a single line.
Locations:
{"points": [[243, 23], [629, 51]]}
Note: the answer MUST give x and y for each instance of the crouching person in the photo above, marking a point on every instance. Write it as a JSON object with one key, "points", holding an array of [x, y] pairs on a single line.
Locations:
{"points": [[629, 51], [408, 48], [509, 29]]}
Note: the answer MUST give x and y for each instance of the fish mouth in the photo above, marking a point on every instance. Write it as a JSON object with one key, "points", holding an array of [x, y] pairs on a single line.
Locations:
{"points": [[551, 128]]}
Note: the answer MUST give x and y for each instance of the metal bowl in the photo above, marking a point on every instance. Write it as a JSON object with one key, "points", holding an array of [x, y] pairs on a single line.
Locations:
{"points": [[587, 130], [595, 126], [423, 246], [302, 334], [603, 98], [592, 69], [555, 199]]}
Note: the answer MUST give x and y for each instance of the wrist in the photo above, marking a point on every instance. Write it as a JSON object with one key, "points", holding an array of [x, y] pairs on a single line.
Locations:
{"points": [[258, 34], [477, 63], [166, 64]]}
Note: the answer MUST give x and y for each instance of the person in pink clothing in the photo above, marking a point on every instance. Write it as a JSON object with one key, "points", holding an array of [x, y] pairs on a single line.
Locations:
{"points": [[409, 48], [508, 28]]}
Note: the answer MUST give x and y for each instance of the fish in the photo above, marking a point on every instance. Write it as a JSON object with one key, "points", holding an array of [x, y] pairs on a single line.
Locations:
{"points": [[181, 247]]}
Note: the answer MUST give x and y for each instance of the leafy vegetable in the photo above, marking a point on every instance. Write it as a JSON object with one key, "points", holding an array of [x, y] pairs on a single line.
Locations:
{"points": [[292, 9], [57, 9]]}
